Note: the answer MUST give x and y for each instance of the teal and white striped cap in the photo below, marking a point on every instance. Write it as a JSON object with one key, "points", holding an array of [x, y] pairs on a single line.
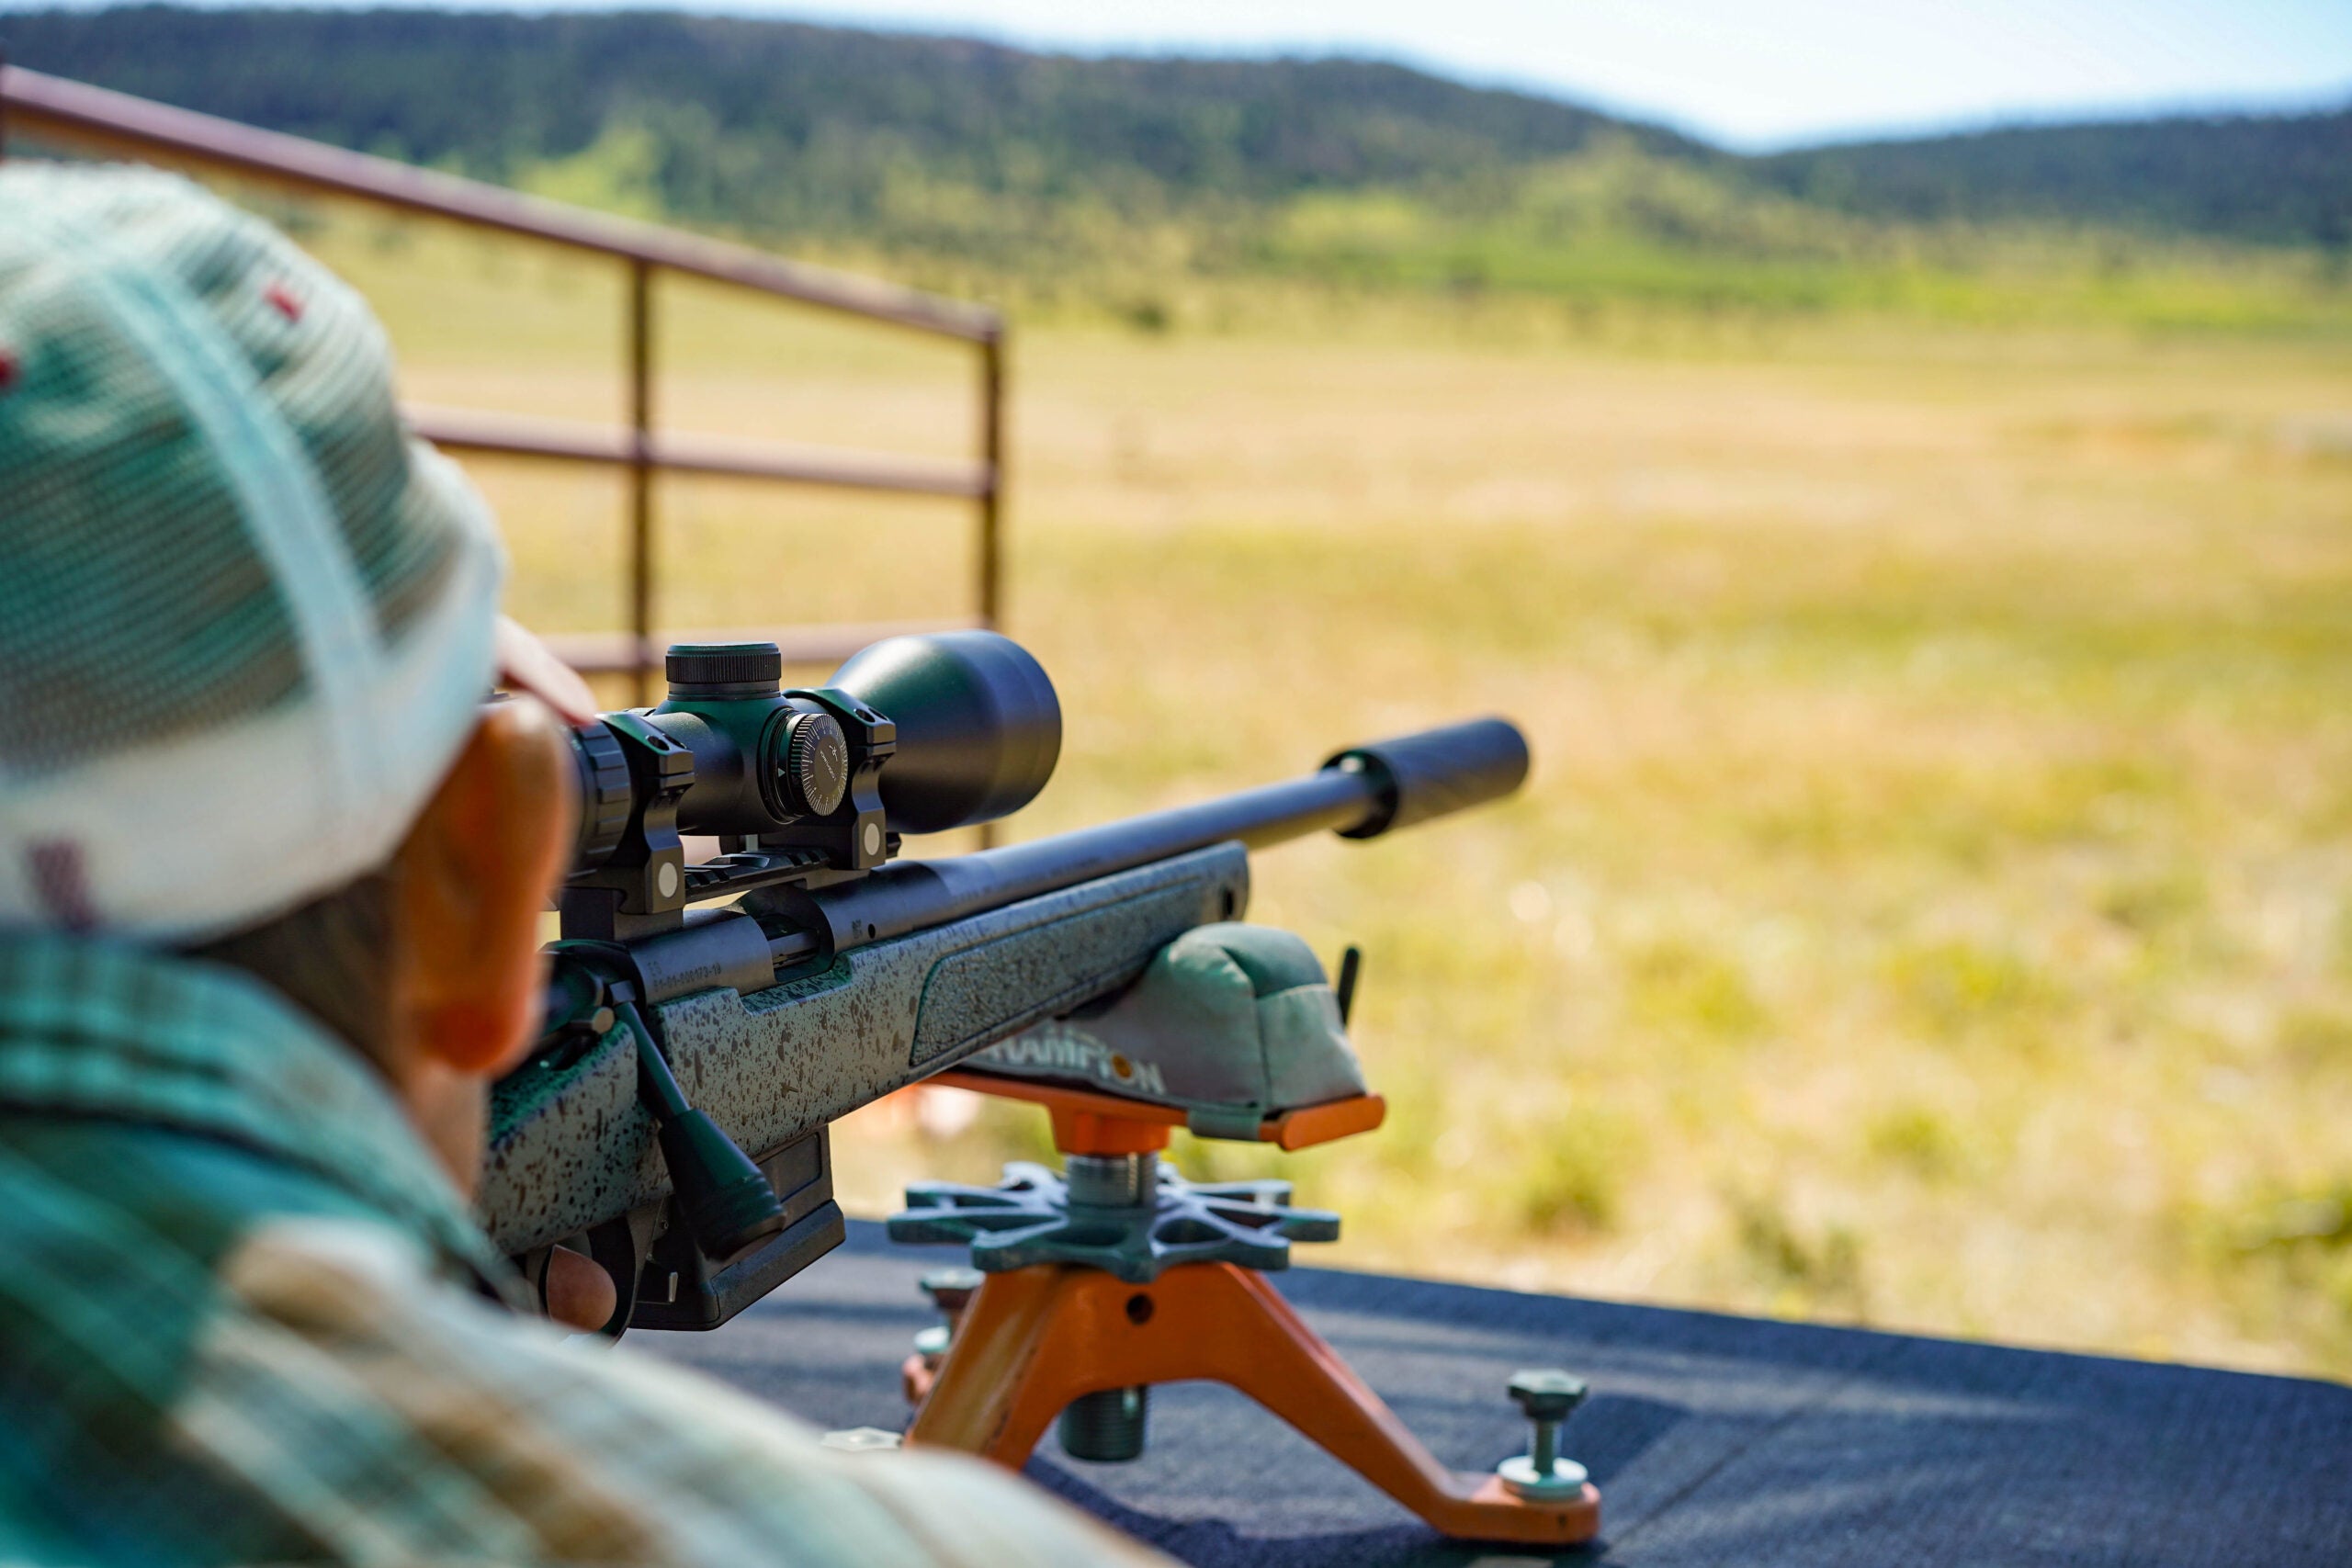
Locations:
{"points": [[246, 620]]}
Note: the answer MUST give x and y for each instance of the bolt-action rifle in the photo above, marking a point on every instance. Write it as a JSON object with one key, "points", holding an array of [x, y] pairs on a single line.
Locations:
{"points": [[671, 1121]]}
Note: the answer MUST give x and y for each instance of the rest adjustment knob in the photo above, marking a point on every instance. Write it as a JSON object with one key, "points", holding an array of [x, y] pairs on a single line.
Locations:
{"points": [[815, 770], [1540, 1475]]}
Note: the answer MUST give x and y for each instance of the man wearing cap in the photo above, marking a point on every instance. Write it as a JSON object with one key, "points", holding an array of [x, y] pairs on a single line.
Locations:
{"points": [[270, 874]]}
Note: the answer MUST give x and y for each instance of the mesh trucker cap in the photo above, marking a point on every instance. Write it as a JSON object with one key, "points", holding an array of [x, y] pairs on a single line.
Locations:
{"points": [[245, 620]]}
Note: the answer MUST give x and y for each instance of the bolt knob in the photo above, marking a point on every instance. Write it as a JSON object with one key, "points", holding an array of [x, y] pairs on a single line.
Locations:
{"points": [[1546, 1394]]}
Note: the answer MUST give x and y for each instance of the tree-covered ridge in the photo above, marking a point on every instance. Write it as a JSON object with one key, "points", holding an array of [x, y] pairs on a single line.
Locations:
{"points": [[498, 93], [2276, 179], [973, 164]]}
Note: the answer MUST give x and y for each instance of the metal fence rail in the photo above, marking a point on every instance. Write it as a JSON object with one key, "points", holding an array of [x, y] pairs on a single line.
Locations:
{"points": [[80, 115]]}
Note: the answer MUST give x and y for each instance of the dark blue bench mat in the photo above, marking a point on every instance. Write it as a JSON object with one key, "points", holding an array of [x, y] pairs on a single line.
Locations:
{"points": [[1715, 1441]]}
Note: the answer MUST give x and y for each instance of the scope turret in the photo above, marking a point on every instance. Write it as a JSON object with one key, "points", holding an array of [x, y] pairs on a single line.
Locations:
{"points": [[766, 760]]}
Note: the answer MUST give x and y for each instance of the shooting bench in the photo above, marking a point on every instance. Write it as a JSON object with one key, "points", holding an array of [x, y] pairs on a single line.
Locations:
{"points": [[1716, 1440]]}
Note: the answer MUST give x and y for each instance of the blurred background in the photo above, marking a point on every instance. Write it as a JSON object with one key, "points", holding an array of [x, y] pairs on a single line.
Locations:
{"points": [[1898, 469]]}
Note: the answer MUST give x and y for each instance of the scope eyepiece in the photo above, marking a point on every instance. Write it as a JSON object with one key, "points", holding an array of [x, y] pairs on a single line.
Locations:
{"points": [[608, 799]]}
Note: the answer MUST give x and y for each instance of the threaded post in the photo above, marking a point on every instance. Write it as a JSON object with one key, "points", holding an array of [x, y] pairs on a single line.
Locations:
{"points": [[1112, 1181], [1107, 1427]]}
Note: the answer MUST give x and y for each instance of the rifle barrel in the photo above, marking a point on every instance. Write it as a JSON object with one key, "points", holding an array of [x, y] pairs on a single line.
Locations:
{"points": [[1359, 793]]}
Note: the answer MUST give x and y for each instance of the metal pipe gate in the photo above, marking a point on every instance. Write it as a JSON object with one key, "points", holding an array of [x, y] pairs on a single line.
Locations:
{"points": [[81, 116]]}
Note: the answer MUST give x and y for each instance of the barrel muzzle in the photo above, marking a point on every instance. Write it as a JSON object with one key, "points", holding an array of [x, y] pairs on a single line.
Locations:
{"points": [[1436, 773]]}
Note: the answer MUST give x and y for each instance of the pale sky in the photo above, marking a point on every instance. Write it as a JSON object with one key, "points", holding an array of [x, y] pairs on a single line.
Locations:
{"points": [[1750, 72]]}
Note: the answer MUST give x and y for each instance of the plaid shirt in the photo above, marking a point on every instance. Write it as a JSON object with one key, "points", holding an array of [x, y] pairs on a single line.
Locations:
{"points": [[242, 1320]]}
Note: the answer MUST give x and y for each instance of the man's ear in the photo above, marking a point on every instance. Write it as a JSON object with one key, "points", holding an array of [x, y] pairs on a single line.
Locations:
{"points": [[470, 883]]}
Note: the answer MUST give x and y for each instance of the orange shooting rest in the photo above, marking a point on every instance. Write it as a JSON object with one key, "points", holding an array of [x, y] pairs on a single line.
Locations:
{"points": [[1031, 1340]]}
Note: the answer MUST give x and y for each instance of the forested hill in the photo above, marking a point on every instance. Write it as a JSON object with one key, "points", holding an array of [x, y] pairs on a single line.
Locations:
{"points": [[1012, 164], [2276, 179], [840, 111]]}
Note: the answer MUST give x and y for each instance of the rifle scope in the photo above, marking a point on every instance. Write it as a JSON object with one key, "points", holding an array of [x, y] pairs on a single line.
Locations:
{"points": [[912, 734]]}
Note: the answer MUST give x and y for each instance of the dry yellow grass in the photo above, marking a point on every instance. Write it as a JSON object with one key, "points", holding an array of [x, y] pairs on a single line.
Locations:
{"points": [[1933, 905]]}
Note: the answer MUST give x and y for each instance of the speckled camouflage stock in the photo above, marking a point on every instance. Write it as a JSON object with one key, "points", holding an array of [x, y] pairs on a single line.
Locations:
{"points": [[571, 1147]]}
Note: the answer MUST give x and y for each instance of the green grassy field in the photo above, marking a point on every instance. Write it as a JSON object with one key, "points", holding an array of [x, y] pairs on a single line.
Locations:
{"points": [[1933, 904]]}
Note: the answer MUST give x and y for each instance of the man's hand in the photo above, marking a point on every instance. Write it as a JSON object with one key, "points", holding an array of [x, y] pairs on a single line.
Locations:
{"points": [[576, 1291]]}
